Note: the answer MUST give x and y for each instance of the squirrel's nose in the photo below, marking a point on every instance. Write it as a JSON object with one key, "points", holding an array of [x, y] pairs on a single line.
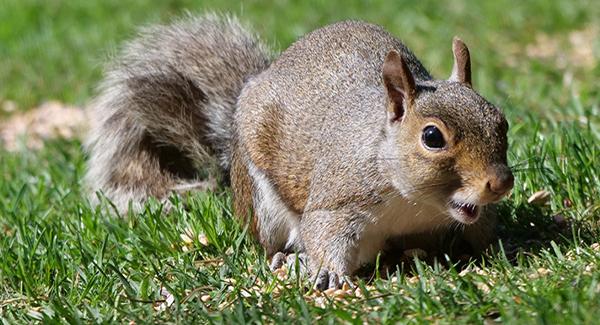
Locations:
{"points": [[501, 179]]}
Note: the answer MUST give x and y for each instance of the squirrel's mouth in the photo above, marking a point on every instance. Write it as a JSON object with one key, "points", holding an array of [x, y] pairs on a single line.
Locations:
{"points": [[464, 212]]}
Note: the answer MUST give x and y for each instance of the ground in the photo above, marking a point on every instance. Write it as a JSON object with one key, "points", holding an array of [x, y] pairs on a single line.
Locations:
{"points": [[63, 260]]}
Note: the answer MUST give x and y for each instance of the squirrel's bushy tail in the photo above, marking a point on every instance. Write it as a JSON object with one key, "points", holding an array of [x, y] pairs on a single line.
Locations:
{"points": [[165, 109]]}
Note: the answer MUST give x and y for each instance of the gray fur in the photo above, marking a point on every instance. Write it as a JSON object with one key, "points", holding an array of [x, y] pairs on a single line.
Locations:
{"points": [[165, 108]]}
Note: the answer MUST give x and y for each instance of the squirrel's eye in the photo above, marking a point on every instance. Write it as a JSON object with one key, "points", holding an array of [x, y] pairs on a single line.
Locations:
{"points": [[433, 137]]}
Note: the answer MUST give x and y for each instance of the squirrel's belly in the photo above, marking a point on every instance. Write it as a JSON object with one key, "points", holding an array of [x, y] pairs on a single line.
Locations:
{"points": [[396, 217]]}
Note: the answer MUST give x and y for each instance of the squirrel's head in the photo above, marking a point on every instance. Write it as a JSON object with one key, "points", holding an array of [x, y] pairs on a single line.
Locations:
{"points": [[448, 144]]}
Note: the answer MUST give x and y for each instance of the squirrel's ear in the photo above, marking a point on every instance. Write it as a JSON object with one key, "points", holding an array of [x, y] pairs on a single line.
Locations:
{"points": [[461, 71], [399, 83]]}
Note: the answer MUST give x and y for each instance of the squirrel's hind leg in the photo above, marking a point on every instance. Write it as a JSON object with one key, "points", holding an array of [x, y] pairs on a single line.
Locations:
{"points": [[278, 226]]}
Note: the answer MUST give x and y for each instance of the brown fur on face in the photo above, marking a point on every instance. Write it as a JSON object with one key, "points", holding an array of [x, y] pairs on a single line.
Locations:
{"points": [[475, 135]]}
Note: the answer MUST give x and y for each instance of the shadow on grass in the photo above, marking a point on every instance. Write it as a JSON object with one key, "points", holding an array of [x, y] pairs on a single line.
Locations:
{"points": [[530, 228], [522, 230]]}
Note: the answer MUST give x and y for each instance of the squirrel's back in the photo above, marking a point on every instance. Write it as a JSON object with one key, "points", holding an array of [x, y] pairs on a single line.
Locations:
{"points": [[347, 48]]}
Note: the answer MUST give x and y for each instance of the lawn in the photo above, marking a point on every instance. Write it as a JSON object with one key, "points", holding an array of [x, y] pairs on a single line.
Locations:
{"points": [[62, 260]]}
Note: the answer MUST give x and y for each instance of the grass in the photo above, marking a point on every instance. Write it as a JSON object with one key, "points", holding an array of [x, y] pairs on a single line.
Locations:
{"points": [[65, 261]]}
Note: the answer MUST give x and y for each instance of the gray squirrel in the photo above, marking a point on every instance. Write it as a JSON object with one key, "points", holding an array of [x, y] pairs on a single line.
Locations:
{"points": [[337, 145]]}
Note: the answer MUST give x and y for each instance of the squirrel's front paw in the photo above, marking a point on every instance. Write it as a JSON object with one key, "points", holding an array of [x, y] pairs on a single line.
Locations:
{"points": [[326, 279], [277, 261], [293, 260], [321, 278]]}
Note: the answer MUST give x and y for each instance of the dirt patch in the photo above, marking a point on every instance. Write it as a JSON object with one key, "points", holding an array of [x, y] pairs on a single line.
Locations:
{"points": [[573, 49], [51, 120]]}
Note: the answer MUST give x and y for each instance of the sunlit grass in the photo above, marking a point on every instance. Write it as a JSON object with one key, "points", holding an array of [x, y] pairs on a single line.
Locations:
{"points": [[63, 260]]}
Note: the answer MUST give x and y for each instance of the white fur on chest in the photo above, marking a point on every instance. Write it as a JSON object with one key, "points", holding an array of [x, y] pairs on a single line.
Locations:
{"points": [[396, 216]]}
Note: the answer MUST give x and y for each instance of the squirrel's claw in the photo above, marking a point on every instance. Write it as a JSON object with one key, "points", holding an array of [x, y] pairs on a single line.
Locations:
{"points": [[299, 260], [290, 260], [326, 279], [277, 261], [298, 263], [331, 280]]}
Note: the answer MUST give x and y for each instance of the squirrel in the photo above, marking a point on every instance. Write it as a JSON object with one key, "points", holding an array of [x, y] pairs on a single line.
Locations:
{"points": [[337, 145]]}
